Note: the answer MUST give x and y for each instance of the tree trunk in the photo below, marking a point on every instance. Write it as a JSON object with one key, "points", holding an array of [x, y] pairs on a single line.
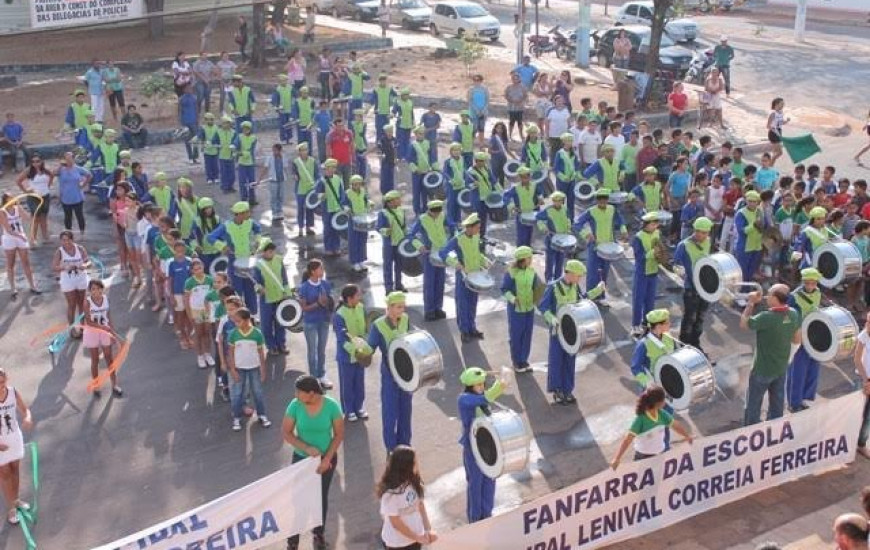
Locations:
{"points": [[208, 31], [155, 24], [279, 8], [258, 49], [655, 42]]}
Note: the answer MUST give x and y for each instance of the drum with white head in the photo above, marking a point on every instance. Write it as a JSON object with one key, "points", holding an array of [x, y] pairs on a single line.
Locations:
{"points": [[610, 252], [288, 313], [838, 262], [244, 266], [365, 222], [415, 360], [617, 197], [433, 181], [718, 275], [340, 222], [500, 443], [511, 167], [564, 243], [463, 199], [584, 190], [479, 281], [496, 207], [409, 258], [580, 327], [221, 264], [686, 376], [529, 218], [314, 202], [829, 334]]}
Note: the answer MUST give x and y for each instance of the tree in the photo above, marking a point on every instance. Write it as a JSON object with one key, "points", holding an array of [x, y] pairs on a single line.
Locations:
{"points": [[258, 49], [471, 51], [155, 24], [158, 89], [660, 11]]}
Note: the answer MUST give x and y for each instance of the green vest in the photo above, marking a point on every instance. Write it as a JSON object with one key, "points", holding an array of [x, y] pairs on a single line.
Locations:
{"points": [[534, 154], [472, 259], [80, 114], [242, 100], [92, 139], [382, 99], [421, 148], [611, 173], [332, 189], [306, 175], [207, 246], [817, 237], [565, 294], [305, 109], [526, 196], [397, 224], [435, 230], [603, 223], [359, 201], [246, 152], [285, 98], [388, 332], [696, 251], [559, 219], [225, 140], [648, 241], [356, 84], [359, 135], [567, 173], [652, 196], [466, 136], [163, 197], [753, 235], [110, 156], [272, 282], [209, 131], [458, 169], [240, 237], [406, 113], [355, 323], [187, 209], [481, 178], [807, 302], [655, 348], [524, 281]]}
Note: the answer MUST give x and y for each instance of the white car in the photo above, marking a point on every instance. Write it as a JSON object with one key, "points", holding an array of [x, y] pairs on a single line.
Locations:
{"points": [[459, 17], [641, 13]]}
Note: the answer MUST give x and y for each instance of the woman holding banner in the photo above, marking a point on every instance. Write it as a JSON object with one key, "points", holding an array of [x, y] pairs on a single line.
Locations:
{"points": [[647, 432], [12, 446]]}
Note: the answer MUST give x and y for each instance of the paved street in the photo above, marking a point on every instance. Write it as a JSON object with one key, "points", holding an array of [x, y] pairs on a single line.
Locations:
{"points": [[113, 466]]}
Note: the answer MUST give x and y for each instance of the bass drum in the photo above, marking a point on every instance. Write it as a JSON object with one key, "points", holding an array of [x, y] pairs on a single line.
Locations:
{"points": [[540, 177], [221, 264], [288, 314], [314, 202], [500, 443], [829, 334], [564, 243], [409, 259], [433, 181], [838, 262], [584, 190], [340, 222], [713, 275], [463, 199], [511, 168], [580, 327], [686, 376], [498, 212], [415, 360]]}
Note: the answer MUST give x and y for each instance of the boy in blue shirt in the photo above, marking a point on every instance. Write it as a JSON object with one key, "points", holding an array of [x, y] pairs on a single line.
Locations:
{"points": [[323, 119], [691, 211], [179, 271], [766, 176], [678, 186], [431, 121]]}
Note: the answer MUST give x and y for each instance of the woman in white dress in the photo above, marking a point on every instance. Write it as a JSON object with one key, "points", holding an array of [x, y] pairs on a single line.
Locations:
{"points": [[98, 333], [15, 242], [70, 263], [37, 180], [12, 446]]}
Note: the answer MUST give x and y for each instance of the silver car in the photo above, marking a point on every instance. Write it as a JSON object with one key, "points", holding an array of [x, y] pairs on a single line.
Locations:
{"points": [[410, 14]]}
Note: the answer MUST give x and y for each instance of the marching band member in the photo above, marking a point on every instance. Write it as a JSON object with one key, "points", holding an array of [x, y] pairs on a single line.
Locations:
{"points": [[272, 286], [356, 199], [482, 182], [607, 169], [473, 402], [526, 198], [395, 402], [403, 108], [454, 181], [237, 235], [303, 114], [750, 224], [307, 173], [560, 364], [387, 148], [554, 220], [690, 250], [534, 154], [349, 324], [418, 163], [282, 101], [603, 220], [224, 138], [188, 216], [649, 192], [646, 271], [814, 235], [360, 143], [207, 133], [163, 196], [464, 135], [391, 224], [518, 288], [656, 342], [355, 82], [246, 147], [77, 114], [207, 221], [430, 233], [566, 166], [331, 189], [241, 103], [105, 156], [382, 98], [466, 258], [803, 372]]}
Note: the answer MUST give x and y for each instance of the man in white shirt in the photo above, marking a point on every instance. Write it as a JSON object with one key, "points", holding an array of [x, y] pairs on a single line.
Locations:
{"points": [[589, 142], [558, 122], [615, 139]]}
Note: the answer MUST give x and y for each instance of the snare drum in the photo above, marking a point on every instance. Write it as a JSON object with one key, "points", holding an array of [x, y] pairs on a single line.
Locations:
{"points": [[433, 181], [511, 168], [365, 222], [583, 190], [529, 218], [244, 266], [686, 376], [415, 360], [617, 197], [610, 252], [479, 281], [496, 207], [340, 222], [435, 259], [221, 264], [564, 243], [500, 443], [664, 217]]}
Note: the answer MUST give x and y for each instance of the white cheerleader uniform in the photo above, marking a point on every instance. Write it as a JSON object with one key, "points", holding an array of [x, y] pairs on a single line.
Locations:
{"points": [[10, 431], [12, 242], [73, 275], [99, 315]]}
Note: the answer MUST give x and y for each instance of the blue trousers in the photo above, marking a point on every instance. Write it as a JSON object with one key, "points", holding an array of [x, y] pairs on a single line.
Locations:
{"points": [[524, 233], [388, 177], [567, 187], [361, 165], [352, 106], [560, 368], [284, 134], [212, 169], [191, 149], [247, 378], [244, 288], [331, 237], [466, 306], [749, 262], [520, 328], [480, 489], [433, 150], [380, 122], [418, 194], [598, 270], [316, 335], [274, 333], [351, 379], [468, 159], [227, 173], [304, 136], [433, 286], [802, 379], [207, 259], [356, 245], [395, 411], [643, 296], [304, 216], [553, 262], [239, 120], [392, 270], [757, 387], [403, 142], [454, 211], [247, 176]]}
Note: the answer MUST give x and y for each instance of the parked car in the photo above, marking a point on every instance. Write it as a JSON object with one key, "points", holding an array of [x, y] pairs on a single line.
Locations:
{"points": [[411, 14], [459, 17], [641, 13], [320, 6], [671, 57], [361, 10]]}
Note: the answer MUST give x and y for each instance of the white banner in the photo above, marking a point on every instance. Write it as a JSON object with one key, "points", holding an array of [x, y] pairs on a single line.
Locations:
{"points": [[262, 513], [66, 13], [641, 497]]}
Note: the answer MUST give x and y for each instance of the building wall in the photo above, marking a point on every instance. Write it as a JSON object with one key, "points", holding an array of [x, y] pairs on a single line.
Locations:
{"points": [[836, 5]]}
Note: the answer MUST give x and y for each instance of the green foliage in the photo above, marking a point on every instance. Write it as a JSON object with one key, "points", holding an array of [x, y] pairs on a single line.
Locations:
{"points": [[158, 88], [471, 52]]}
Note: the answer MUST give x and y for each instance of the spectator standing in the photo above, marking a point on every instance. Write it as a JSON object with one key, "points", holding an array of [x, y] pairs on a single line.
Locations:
{"points": [[325, 74], [866, 131], [241, 37], [775, 121], [478, 105], [189, 118], [543, 92], [205, 73], [315, 295], [861, 357], [339, 146], [133, 128], [562, 87], [37, 180], [678, 102], [296, 69], [713, 87], [12, 139], [114, 87], [226, 68], [558, 121], [722, 56], [527, 72], [384, 17], [516, 94], [310, 21], [96, 89], [588, 144], [400, 490], [71, 180], [182, 73], [621, 51], [777, 330], [276, 169]]}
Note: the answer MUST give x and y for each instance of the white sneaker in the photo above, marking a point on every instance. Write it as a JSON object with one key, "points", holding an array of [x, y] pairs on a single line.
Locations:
{"points": [[200, 361], [265, 422], [636, 331], [351, 417], [237, 425], [171, 319], [326, 383], [209, 360]]}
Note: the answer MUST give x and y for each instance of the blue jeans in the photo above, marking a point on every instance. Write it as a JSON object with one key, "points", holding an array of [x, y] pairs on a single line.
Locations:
{"points": [[276, 198], [237, 391], [315, 340], [758, 386], [203, 96], [192, 150], [865, 424], [675, 121]]}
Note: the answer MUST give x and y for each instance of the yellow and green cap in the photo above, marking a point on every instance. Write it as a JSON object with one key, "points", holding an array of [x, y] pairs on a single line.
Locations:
{"points": [[395, 297], [703, 224], [522, 252], [818, 212], [240, 207], [472, 219], [472, 376], [392, 195], [810, 274], [204, 203], [658, 316], [576, 267]]}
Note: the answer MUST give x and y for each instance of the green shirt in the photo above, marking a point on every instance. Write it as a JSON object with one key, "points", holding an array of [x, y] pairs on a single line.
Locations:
{"points": [[317, 430], [649, 432], [199, 290], [628, 157], [775, 329], [722, 55], [246, 347]]}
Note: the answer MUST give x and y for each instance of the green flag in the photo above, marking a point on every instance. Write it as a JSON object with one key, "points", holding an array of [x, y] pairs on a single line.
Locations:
{"points": [[801, 148]]}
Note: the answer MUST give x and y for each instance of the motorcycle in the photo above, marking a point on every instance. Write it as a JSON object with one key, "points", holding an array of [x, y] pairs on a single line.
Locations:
{"points": [[541, 43], [701, 63], [567, 49]]}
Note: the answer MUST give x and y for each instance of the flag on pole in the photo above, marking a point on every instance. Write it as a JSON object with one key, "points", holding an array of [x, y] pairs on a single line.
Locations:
{"points": [[801, 148]]}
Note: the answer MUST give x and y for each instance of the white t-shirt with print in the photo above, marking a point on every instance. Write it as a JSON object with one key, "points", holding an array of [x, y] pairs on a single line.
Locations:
{"points": [[404, 503], [557, 122], [864, 338]]}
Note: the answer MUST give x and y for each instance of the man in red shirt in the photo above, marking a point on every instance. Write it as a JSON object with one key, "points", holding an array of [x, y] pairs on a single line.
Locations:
{"points": [[730, 198], [339, 145], [678, 102], [842, 197], [647, 154]]}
